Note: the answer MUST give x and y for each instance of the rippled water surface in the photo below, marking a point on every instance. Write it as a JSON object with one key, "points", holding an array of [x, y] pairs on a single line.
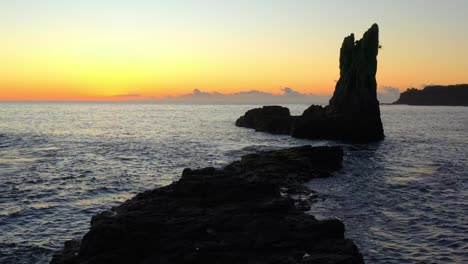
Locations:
{"points": [[403, 200]]}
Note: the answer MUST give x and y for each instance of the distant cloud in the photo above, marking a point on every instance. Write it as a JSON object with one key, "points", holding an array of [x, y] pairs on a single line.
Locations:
{"points": [[388, 94], [291, 92], [129, 96], [287, 96], [424, 85]]}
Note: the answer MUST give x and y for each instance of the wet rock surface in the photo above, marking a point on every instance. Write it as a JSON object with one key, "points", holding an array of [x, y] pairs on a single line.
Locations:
{"points": [[243, 213], [353, 112]]}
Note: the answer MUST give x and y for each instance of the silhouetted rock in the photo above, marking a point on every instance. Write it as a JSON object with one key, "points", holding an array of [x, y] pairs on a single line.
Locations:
{"points": [[244, 213], [451, 95], [353, 112], [273, 119]]}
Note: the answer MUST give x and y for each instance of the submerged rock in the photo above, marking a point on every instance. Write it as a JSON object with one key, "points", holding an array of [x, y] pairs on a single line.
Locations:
{"points": [[243, 213], [353, 112]]}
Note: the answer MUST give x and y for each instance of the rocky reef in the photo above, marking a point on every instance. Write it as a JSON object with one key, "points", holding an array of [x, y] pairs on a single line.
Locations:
{"points": [[353, 112], [251, 211], [451, 95]]}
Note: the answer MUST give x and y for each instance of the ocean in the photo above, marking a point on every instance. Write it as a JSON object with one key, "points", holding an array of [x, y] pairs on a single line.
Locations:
{"points": [[403, 200]]}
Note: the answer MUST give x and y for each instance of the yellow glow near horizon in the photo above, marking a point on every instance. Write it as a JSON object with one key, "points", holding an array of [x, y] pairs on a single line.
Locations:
{"points": [[102, 71], [98, 50]]}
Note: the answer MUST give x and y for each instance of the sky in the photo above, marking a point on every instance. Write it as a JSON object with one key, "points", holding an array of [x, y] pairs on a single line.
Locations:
{"points": [[168, 50]]}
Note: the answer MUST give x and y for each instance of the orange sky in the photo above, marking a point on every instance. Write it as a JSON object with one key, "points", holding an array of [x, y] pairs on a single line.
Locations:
{"points": [[96, 50]]}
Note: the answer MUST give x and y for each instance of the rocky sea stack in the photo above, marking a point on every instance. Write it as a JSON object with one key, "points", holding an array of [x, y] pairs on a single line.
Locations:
{"points": [[251, 211], [353, 112]]}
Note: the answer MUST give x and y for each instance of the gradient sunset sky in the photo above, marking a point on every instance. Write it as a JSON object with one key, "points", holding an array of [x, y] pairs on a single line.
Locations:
{"points": [[102, 49]]}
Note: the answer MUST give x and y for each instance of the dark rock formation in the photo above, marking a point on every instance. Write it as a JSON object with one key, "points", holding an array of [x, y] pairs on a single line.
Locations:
{"points": [[244, 213], [273, 119], [452, 95], [353, 112]]}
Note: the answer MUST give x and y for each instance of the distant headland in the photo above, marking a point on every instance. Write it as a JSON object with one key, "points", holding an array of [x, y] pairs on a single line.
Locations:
{"points": [[451, 95]]}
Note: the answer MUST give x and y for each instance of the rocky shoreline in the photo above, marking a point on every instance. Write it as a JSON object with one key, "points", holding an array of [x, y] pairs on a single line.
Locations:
{"points": [[251, 211]]}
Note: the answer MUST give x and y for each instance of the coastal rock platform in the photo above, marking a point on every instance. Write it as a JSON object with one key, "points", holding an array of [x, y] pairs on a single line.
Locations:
{"points": [[250, 211]]}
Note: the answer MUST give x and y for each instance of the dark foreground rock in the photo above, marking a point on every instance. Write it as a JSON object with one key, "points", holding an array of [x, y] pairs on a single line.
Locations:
{"points": [[451, 95], [243, 213], [353, 112]]}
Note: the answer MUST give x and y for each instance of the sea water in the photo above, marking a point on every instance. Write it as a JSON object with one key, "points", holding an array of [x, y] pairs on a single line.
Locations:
{"points": [[403, 200]]}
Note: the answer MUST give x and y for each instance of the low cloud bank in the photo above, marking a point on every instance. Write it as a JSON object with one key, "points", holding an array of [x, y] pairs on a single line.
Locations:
{"points": [[388, 94], [129, 96], [287, 95]]}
